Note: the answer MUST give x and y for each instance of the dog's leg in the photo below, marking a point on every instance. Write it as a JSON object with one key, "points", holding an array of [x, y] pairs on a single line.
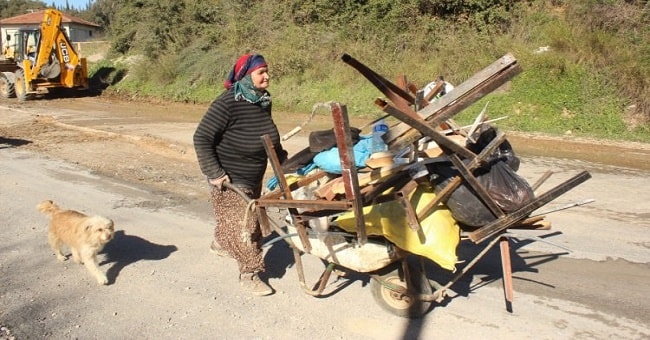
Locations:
{"points": [[55, 244], [89, 258], [76, 257]]}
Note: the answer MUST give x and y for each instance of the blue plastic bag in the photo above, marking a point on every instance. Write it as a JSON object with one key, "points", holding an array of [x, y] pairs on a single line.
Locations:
{"points": [[329, 160]]}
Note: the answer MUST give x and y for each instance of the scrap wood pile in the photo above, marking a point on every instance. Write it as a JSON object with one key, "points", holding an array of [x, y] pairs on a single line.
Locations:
{"points": [[471, 170]]}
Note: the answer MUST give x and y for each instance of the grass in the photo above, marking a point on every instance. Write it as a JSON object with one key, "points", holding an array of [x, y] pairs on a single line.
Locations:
{"points": [[549, 96], [568, 90], [556, 99]]}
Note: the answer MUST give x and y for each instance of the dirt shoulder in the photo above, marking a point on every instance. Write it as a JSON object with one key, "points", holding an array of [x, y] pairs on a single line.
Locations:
{"points": [[618, 153], [63, 128], [166, 128]]}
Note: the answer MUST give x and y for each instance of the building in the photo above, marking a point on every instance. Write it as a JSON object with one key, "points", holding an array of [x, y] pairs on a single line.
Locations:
{"points": [[77, 29]]}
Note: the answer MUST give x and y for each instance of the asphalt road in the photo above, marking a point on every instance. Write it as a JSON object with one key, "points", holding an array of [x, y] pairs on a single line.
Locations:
{"points": [[165, 284]]}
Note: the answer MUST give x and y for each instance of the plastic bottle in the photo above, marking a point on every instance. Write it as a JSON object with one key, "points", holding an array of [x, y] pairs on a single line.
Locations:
{"points": [[378, 131]]}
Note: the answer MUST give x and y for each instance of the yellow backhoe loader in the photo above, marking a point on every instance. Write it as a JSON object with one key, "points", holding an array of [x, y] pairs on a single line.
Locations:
{"points": [[40, 60]]}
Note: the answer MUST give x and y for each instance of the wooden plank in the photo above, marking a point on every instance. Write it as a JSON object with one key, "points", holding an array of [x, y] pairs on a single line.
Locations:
{"points": [[409, 117], [461, 97], [412, 88], [327, 191], [276, 166], [440, 84], [404, 199], [304, 204], [506, 267], [400, 97], [263, 218], [312, 177], [401, 82], [348, 167], [284, 187], [533, 223], [420, 102], [374, 194], [441, 196], [373, 176], [541, 180], [456, 181]]}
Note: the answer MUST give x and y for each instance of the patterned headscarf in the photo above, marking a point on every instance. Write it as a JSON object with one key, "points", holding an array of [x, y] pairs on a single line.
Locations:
{"points": [[244, 66]]}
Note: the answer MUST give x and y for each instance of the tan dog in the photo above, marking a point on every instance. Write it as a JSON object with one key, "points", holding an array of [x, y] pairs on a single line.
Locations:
{"points": [[85, 235]]}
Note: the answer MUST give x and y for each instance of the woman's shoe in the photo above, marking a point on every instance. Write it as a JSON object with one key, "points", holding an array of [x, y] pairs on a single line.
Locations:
{"points": [[216, 249], [252, 283]]}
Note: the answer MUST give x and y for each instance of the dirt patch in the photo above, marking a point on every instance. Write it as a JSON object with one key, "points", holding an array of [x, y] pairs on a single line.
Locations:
{"points": [[138, 159], [625, 154]]}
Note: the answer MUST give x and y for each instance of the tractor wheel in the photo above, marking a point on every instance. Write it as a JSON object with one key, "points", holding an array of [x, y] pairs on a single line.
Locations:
{"points": [[20, 86], [7, 89], [401, 303]]}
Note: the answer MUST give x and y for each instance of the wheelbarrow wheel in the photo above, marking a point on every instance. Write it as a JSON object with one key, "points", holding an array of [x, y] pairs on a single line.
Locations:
{"points": [[403, 301]]}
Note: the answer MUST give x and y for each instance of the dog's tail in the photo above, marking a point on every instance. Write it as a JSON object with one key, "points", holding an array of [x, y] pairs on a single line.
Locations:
{"points": [[47, 207]]}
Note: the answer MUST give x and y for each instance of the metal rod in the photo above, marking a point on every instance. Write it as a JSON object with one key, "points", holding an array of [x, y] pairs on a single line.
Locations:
{"points": [[479, 124], [564, 207], [471, 263], [541, 180], [506, 267]]}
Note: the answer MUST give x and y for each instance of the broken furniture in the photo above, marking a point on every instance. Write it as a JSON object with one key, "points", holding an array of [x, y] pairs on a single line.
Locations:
{"points": [[406, 292]]}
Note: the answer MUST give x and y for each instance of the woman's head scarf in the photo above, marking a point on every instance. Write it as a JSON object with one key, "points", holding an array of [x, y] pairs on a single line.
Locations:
{"points": [[244, 66], [240, 79]]}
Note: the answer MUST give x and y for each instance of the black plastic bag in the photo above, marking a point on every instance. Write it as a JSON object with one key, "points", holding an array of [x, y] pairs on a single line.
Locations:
{"points": [[465, 206], [498, 177], [483, 136], [326, 139], [298, 161], [508, 190]]}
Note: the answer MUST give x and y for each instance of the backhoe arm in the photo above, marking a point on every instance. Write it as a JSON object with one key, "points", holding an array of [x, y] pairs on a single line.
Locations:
{"points": [[53, 42]]}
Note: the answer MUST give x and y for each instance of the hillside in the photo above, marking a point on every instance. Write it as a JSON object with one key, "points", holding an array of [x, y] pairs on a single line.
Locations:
{"points": [[586, 64]]}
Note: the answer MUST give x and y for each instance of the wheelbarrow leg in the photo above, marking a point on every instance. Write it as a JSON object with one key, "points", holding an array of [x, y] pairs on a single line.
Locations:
{"points": [[299, 268], [506, 266], [322, 282]]}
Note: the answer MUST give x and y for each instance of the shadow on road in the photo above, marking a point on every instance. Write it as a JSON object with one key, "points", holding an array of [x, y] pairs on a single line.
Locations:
{"points": [[488, 269], [280, 256], [12, 142], [124, 250]]}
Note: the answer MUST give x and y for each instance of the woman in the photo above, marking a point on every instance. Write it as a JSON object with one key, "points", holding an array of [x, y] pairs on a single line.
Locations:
{"points": [[229, 149]]}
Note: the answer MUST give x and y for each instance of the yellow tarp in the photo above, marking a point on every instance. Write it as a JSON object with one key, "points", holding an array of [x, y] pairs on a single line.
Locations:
{"points": [[440, 232]]}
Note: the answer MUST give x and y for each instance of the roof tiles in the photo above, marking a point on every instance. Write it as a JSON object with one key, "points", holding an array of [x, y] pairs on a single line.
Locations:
{"points": [[37, 17]]}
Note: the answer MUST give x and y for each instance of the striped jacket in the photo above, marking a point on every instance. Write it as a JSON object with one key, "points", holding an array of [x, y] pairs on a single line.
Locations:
{"points": [[227, 140]]}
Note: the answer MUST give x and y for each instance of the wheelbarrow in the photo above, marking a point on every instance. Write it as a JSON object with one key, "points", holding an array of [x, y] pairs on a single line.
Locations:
{"points": [[398, 285]]}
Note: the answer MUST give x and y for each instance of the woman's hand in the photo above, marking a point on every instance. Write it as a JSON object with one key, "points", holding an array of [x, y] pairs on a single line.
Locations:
{"points": [[218, 182]]}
